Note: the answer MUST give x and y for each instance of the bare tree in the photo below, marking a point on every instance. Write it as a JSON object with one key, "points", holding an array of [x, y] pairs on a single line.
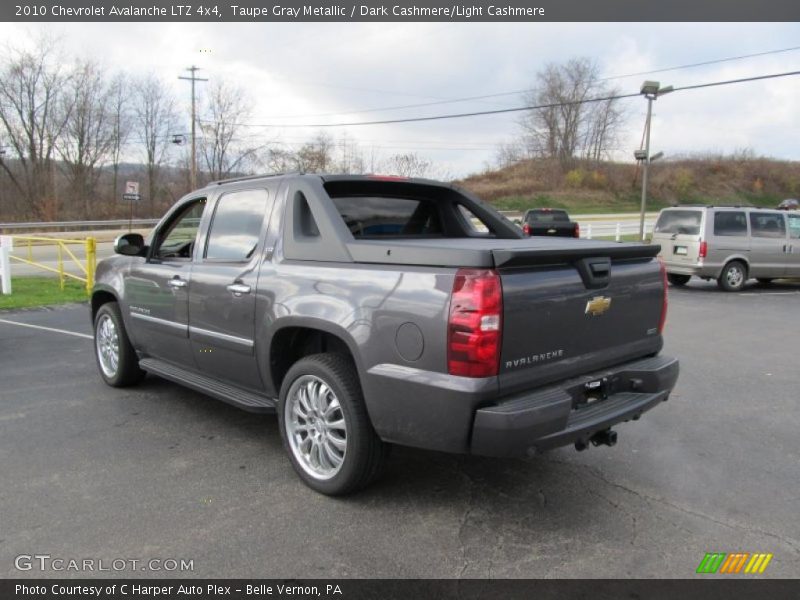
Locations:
{"points": [[323, 154], [509, 153], [316, 156], [88, 139], [119, 109], [408, 165], [154, 121], [280, 160], [222, 146], [33, 115], [567, 126], [602, 128]]}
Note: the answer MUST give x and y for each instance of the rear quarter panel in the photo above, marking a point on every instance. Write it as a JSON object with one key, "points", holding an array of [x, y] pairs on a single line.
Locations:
{"points": [[365, 305]]}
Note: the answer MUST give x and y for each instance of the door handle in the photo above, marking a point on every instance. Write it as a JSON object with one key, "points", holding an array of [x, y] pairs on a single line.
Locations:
{"points": [[176, 282], [238, 289]]}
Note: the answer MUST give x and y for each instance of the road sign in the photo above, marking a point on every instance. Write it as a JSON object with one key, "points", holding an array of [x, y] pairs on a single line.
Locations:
{"points": [[131, 191]]}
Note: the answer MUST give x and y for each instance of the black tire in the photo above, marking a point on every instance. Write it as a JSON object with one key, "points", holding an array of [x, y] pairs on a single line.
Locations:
{"points": [[765, 280], [127, 372], [678, 280], [365, 453], [733, 276]]}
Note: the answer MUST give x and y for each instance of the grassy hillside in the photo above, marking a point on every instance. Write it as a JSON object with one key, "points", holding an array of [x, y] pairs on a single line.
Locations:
{"points": [[616, 187]]}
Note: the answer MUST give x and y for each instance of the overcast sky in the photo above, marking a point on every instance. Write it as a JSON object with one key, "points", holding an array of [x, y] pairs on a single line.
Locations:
{"points": [[295, 72]]}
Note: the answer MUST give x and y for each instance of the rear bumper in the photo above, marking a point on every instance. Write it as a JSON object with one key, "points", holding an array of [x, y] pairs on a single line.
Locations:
{"points": [[530, 423]]}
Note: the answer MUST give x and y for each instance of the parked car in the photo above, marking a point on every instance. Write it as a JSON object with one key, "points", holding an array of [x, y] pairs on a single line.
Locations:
{"points": [[728, 243], [549, 221], [370, 311], [789, 204]]}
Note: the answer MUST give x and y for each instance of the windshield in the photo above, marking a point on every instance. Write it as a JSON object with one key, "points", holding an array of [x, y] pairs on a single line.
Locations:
{"points": [[685, 222]]}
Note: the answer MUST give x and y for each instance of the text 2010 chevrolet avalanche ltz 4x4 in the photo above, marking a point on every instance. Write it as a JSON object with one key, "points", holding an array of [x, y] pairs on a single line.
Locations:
{"points": [[370, 311]]}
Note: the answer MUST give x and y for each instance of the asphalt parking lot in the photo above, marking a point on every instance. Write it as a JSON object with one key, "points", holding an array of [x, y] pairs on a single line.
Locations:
{"points": [[160, 471]]}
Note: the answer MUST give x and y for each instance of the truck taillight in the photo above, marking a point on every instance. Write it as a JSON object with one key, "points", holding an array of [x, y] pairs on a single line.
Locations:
{"points": [[577, 231], [526, 229], [475, 324], [703, 250], [663, 318]]}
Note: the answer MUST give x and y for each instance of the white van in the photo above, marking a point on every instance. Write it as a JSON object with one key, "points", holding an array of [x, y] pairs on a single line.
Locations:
{"points": [[728, 243]]}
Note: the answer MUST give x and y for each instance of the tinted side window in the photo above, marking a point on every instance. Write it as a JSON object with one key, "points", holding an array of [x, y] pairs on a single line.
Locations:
{"points": [[767, 225], [685, 222], [474, 224], [794, 226], [236, 226], [176, 240], [730, 223]]}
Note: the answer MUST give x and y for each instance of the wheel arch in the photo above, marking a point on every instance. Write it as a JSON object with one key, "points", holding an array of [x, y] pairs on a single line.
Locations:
{"points": [[295, 339], [735, 258], [102, 295]]}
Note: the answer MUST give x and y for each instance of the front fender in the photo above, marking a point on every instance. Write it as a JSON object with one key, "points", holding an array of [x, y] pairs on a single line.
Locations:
{"points": [[109, 279]]}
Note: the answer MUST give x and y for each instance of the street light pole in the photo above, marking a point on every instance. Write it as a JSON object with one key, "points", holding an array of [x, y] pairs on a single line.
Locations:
{"points": [[651, 90], [646, 166]]}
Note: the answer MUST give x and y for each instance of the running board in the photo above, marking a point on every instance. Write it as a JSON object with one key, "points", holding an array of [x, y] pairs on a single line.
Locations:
{"points": [[245, 400]]}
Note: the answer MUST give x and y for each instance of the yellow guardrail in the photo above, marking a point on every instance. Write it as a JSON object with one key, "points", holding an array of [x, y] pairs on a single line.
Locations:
{"points": [[86, 265]]}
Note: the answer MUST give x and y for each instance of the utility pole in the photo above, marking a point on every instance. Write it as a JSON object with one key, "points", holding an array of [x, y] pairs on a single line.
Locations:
{"points": [[193, 78]]}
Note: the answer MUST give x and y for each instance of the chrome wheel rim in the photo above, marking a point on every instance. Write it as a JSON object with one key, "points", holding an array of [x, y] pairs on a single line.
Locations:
{"points": [[315, 427], [106, 341], [735, 276]]}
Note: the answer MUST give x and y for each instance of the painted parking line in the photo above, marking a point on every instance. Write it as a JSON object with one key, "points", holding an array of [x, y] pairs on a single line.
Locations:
{"points": [[769, 293], [75, 333]]}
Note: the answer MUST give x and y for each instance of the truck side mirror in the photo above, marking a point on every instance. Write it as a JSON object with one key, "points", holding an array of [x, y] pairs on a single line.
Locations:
{"points": [[130, 244]]}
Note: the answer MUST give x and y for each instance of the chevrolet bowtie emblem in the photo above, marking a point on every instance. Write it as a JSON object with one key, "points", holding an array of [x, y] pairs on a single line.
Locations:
{"points": [[597, 305]]}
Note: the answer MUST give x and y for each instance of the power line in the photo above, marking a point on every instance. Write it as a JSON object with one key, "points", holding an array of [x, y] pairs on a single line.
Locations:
{"points": [[522, 91], [703, 64], [732, 81], [521, 108]]}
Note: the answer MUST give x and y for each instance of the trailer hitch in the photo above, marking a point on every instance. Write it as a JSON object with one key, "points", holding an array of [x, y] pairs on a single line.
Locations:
{"points": [[605, 438]]}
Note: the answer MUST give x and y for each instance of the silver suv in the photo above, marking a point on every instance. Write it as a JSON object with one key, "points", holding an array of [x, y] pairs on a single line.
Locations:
{"points": [[728, 243]]}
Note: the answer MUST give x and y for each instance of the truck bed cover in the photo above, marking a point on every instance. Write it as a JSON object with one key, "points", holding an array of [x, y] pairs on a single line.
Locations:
{"points": [[492, 253]]}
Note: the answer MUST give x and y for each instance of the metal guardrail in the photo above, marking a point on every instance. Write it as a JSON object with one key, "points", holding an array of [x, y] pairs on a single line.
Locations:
{"points": [[86, 266], [115, 223]]}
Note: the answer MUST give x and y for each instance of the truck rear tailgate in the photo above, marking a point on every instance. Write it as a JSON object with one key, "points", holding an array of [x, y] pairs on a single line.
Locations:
{"points": [[570, 306], [573, 312]]}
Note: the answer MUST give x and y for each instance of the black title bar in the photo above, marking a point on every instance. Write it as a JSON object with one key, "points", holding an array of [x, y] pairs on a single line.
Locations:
{"points": [[263, 11], [391, 589]]}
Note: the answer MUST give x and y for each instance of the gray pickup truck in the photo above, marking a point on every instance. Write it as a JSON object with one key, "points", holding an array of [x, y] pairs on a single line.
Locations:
{"points": [[369, 311]]}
